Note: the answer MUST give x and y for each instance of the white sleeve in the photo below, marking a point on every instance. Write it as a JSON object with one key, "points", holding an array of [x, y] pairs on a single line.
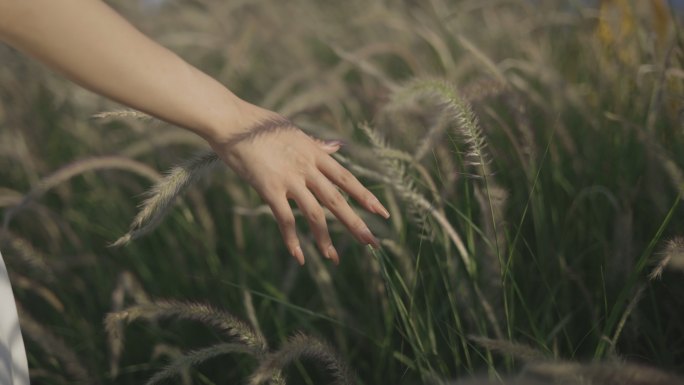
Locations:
{"points": [[13, 365]]}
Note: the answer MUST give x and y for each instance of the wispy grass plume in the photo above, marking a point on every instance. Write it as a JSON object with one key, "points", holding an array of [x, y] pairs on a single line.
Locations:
{"points": [[219, 320], [394, 164], [123, 114], [304, 346], [77, 168], [26, 254], [163, 194], [457, 108], [510, 348], [182, 363], [410, 194], [245, 340], [597, 373], [671, 257]]}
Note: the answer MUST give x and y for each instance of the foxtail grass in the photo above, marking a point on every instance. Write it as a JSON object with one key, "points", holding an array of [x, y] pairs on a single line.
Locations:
{"points": [[123, 115], [246, 340], [223, 322], [196, 357], [77, 168], [304, 346], [671, 257], [162, 196]]}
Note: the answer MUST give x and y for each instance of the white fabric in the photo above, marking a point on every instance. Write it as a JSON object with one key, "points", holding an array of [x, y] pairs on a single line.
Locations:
{"points": [[13, 365]]}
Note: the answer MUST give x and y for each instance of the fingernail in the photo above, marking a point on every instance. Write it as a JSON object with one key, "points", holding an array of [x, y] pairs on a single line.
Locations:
{"points": [[369, 238], [378, 208], [298, 255], [332, 254], [334, 143]]}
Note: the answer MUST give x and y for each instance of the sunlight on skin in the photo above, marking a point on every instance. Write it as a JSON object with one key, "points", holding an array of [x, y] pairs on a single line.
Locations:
{"points": [[117, 61]]}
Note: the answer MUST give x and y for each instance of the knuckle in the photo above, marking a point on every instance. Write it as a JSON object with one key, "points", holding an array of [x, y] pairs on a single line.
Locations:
{"points": [[294, 186], [323, 238], [311, 171], [357, 223], [367, 196], [317, 216], [271, 191], [302, 163], [345, 176], [271, 198], [336, 200], [287, 222]]}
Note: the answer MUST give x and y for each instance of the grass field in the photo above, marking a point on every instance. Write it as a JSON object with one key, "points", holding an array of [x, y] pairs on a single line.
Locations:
{"points": [[530, 154]]}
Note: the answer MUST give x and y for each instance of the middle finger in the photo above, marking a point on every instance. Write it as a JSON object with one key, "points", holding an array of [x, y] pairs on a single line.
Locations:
{"points": [[315, 215], [331, 198]]}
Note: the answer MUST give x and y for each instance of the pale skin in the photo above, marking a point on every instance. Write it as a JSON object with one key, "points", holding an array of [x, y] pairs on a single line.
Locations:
{"points": [[95, 47]]}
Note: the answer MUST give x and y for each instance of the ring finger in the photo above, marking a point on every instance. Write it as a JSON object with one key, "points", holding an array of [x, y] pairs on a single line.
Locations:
{"points": [[315, 215], [331, 198]]}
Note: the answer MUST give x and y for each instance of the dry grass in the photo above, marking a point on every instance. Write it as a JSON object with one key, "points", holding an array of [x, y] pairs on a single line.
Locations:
{"points": [[531, 163], [162, 196], [247, 341]]}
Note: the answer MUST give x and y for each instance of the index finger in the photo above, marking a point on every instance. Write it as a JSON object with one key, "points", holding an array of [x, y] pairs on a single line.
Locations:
{"points": [[348, 182]]}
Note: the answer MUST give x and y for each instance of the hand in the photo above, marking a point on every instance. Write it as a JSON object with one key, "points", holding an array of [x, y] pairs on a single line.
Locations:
{"points": [[281, 162]]}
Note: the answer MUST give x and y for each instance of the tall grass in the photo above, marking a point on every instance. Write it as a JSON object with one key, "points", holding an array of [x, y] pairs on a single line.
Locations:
{"points": [[530, 154]]}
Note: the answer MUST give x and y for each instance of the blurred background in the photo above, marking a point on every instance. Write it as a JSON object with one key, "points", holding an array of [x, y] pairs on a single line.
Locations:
{"points": [[530, 153]]}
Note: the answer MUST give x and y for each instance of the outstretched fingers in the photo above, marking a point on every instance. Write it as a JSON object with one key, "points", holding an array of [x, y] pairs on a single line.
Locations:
{"points": [[331, 198], [315, 215], [348, 182], [287, 225], [320, 188]]}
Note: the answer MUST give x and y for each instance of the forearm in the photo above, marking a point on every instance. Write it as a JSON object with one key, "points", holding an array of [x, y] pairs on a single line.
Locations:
{"points": [[95, 47]]}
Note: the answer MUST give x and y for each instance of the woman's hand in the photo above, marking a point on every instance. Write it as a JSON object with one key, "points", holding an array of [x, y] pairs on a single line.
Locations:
{"points": [[281, 162], [94, 46]]}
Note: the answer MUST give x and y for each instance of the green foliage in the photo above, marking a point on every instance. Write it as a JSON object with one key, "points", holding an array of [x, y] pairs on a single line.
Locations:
{"points": [[532, 167]]}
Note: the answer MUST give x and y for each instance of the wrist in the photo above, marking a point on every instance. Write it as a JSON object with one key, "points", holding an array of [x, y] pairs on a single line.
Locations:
{"points": [[236, 119], [221, 120]]}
